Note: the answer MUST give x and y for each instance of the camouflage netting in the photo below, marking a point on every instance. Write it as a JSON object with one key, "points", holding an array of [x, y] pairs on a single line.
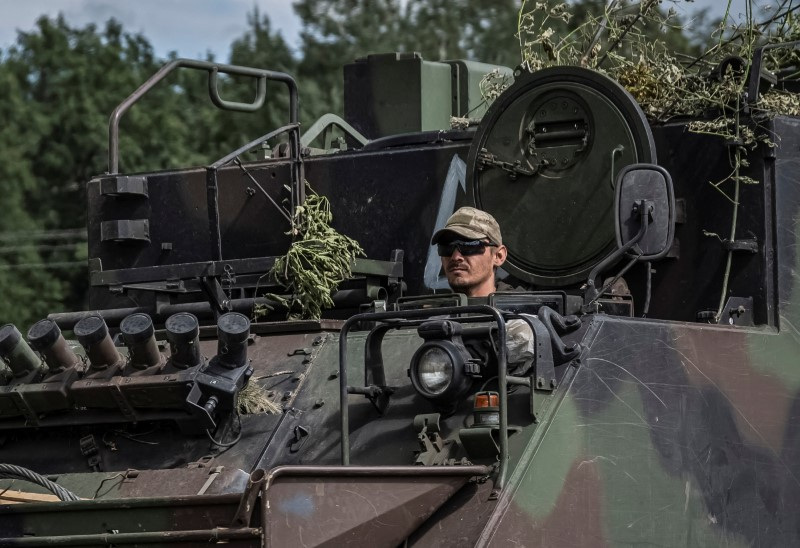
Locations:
{"points": [[620, 42]]}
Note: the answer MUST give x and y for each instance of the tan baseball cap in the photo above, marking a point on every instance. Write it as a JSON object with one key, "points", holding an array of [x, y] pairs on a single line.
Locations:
{"points": [[470, 224]]}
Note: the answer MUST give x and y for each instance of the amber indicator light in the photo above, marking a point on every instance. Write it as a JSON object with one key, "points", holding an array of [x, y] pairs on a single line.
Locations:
{"points": [[486, 399]]}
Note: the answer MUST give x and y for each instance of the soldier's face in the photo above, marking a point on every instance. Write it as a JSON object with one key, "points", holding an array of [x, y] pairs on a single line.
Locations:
{"points": [[473, 273]]}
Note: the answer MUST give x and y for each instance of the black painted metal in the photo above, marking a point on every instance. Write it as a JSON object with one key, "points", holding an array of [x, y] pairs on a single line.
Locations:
{"points": [[251, 234], [553, 198], [693, 282], [489, 313]]}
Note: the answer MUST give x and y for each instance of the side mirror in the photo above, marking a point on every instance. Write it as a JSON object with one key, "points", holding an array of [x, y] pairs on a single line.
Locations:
{"points": [[645, 213], [650, 186]]}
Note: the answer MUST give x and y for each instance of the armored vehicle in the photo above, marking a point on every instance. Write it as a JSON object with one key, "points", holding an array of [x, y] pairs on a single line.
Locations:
{"points": [[646, 413]]}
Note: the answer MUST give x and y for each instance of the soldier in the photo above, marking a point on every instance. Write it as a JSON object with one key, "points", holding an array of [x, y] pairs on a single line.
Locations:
{"points": [[471, 248]]}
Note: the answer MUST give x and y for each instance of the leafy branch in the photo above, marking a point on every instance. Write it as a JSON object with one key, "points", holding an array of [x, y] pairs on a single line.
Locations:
{"points": [[317, 261]]}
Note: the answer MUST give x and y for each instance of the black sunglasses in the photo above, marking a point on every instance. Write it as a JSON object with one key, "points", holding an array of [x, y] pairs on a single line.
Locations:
{"points": [[472, 247]]}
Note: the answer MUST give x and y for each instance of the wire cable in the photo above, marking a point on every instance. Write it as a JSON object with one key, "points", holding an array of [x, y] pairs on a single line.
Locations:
{"points": [[230, 443], [649, 290], [11, 471]]}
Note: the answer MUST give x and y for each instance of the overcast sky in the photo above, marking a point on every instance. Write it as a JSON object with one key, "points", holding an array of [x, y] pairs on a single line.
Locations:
{"points": [[192, 27]]}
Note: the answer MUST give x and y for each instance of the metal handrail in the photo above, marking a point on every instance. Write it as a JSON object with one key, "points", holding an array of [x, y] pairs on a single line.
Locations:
{"points": [[486, 310], [213, 70]]}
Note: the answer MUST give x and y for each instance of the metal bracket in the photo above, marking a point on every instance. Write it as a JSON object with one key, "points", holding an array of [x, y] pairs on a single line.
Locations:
{"points": [[119, 398], [216, 471], [433, 449], [89, 449], [435, 300], [543, 375], [427, 422], [30, 414], [202, 462], [169, 286], [323, 127], [374, 372], [759, 76], [377, 395], [124, 186], [480, 443], [216, 296], [749, 245], [558, 325], [738, 311], [396, 257], [125, 230]]}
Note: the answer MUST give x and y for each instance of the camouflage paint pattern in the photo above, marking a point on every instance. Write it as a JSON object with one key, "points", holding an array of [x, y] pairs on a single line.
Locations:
{"points": [[663, 433], [663, 437]]}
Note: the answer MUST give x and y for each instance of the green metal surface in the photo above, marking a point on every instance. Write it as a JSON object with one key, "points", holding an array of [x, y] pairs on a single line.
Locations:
{"points": [[394, 93]]}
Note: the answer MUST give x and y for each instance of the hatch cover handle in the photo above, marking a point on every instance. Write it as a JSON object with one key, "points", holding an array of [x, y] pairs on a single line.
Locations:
{"points": [[514, 169]]}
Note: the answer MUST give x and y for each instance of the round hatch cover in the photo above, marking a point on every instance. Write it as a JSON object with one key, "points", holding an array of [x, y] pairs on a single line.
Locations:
{"points": [[543, 163]]}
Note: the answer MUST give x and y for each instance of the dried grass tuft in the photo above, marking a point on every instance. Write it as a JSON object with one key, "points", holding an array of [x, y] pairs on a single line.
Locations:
{"points": [[253, 399]]}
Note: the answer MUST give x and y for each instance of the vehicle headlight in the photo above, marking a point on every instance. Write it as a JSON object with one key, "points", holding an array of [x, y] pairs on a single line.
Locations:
{"points": [[434, 370], [438, 369]]}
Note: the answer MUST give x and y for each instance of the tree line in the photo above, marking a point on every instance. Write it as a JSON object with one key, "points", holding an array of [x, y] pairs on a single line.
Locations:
{"points": [[59, 83]]}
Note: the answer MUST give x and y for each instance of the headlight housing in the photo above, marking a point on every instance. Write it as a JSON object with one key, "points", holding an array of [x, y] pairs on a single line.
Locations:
{"points": [[437, 368]]}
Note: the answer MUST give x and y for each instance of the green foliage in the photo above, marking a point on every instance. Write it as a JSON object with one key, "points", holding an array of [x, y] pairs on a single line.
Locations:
{"points": [[639, 44], [317, 261], [650, 52]]}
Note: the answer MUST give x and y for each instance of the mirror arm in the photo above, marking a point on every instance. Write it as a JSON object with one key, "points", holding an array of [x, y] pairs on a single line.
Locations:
{"points": [[644, 208]]}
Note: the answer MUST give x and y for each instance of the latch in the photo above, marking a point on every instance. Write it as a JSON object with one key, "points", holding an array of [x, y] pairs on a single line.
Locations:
{"points": [[301, 434], [89, 449], [300, 352], [515, 169]]}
